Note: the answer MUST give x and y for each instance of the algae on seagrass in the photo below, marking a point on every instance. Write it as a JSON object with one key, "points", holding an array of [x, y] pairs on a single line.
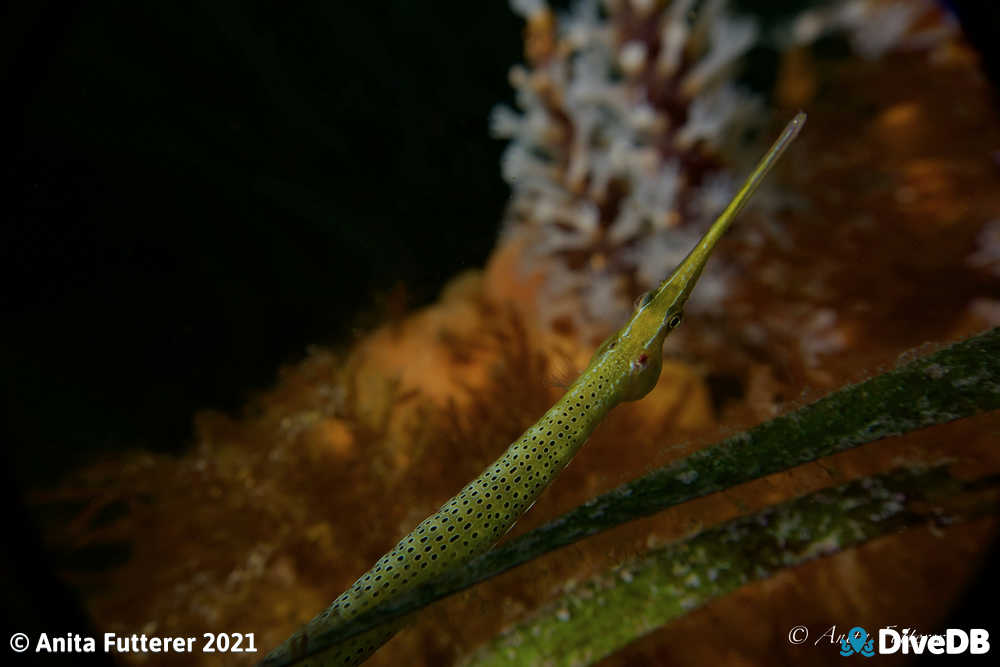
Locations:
{"points": [[606, 613]]}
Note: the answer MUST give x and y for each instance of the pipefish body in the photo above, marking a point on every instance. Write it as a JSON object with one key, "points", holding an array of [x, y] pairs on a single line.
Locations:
{"points": [[624, 368]]}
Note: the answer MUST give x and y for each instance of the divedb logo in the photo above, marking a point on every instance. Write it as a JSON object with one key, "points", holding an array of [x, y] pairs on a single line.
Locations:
{"points": [[954, 641], [975, 641]]}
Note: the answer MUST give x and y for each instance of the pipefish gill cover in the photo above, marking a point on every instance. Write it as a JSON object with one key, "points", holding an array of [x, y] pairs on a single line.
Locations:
{"points": [[205, 198]]}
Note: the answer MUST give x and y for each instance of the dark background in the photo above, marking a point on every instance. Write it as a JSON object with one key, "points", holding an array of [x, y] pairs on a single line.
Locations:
{"points": [[195, 192], [198, 192]]}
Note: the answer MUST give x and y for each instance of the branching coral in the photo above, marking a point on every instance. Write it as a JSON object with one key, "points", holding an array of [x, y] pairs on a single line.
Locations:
{"points": [[614, 161], [629, 117]]}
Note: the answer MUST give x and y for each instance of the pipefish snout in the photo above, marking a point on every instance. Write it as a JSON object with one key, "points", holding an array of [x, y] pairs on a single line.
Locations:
{"points": [[624, 368]]}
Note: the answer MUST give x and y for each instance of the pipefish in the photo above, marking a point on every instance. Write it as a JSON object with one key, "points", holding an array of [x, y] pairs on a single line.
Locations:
{"points": [[625, 367]]}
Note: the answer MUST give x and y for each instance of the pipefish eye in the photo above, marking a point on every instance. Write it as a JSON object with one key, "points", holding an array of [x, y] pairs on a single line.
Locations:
{"points": [[643, 300], [674, 320]]}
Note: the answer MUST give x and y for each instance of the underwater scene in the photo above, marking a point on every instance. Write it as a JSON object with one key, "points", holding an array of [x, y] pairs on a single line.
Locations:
{"points": [[618, 332]]}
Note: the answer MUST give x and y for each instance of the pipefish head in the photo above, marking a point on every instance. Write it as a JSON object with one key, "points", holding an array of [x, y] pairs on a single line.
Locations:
{"points": [[637, 348]]}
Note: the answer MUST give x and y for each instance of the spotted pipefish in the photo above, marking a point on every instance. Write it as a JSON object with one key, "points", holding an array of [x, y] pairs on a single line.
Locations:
{"points": [[625, 367]]}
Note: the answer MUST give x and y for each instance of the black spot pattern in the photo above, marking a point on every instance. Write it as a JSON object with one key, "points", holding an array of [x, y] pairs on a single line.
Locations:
{"points": [[471, 522]]}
